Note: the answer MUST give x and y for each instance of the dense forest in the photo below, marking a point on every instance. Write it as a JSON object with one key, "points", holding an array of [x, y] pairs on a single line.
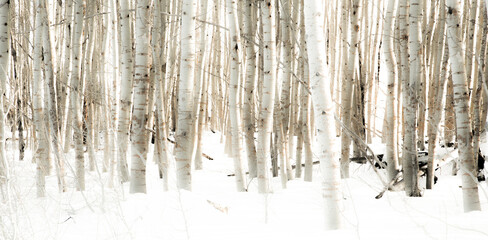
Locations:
{"points": [[288, 84]]}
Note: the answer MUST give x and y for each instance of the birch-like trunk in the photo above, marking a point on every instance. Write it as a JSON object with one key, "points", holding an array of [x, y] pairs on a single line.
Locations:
{"points": [[41, 154], [323, 112], [76, 94], [52, 114], [141, 85], [347, 86], [265, 118], [183, 150], [234, 103], [471, 199], [391, 157], [126, 69], [248, 104], [4, 60], [410, 162]]}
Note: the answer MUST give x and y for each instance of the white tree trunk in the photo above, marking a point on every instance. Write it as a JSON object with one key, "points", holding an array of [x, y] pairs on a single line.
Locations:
{"points": [[141, 84], [410, 162], [126, 65], [248, 105], [4, 57], [51, 113], [234, 103], [265, 119], [347, 85], [323, 112], [463, 124], [183, 150], [76, 94], [41, 154], [390, 60]]}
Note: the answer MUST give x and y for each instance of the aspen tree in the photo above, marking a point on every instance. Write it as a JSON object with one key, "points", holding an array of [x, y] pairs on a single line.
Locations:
{"points": [[250, 17], [183, 150], [52, 114], [436, 90], [41, 155], [347, 85], [323, 112], [410, 162], [234, 103], [471, 199], [390, 60], [141, 85], [265, 121], [126, 69], [77, 92], [4, 63]]}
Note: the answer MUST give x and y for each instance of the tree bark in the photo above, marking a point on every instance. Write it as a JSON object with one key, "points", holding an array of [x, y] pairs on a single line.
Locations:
{"points": [[323, 113], [183, 150], [471, 199]]}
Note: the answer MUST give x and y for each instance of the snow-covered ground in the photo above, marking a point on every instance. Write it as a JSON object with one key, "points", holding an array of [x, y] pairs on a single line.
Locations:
{"points": [[214, 210]]}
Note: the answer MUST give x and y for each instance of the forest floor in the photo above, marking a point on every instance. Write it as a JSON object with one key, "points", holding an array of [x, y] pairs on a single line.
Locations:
{"points": [[214, 210]]}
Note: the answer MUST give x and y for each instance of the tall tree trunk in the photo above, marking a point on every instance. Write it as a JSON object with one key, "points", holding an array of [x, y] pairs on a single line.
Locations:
{"points": [[391, 157], [76, 94], [4, 63], [183, 150], [141, 87], [463, 123], [410, 162], [265, 121], [41, 154], [323, 112], [126, 65], [52, 114], [234, 103], [249, 19], [347, 86]]}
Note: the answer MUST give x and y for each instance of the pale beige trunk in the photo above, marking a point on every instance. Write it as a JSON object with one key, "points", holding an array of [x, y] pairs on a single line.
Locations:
{"points": [[471, 199]]}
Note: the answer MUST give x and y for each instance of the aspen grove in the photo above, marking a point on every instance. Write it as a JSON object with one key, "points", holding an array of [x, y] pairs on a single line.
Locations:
{"points": [[108, 88]]}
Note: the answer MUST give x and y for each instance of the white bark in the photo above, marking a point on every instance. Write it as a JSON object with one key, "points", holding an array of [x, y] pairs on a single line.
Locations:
{"points": [[76, 94], [323, 112], [37, 102], [141, 84], [4, 57], [248, 105], [410, 162], [390, 60], [347, 85], [234, 103], [51, 113], [265, 119], [471, 199], [183, 150], [126, 65]]}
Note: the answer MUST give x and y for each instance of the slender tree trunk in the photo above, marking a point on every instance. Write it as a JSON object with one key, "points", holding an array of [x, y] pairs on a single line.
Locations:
{"points": [[76, 94], [265, 121], [323, 112], [410, 162], [141, 87], [347, 86], [463, 124], [52, 114], [183, 150], [41, 154], [234, 103], [126, 65], [391, 157], [248, 104], [4, 63]]}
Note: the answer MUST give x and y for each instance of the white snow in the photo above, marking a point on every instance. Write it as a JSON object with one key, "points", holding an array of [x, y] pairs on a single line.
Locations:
{"points": [[214, 210]]}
